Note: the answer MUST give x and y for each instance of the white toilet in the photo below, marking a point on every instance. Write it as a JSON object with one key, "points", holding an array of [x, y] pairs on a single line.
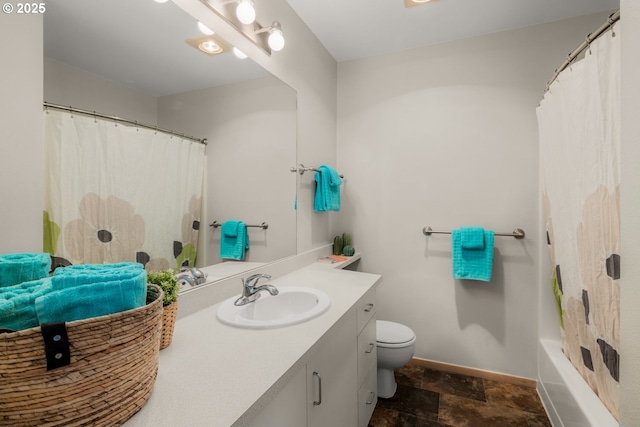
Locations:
{"points": [[395, 343]]}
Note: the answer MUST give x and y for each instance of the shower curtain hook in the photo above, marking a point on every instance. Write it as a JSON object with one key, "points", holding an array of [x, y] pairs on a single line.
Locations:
{"points": [[71, 111], [611, 21], [95, 120], [588, 41]]}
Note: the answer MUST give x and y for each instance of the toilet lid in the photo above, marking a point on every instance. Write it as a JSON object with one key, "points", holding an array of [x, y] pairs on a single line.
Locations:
{"points": [[393, 333]]}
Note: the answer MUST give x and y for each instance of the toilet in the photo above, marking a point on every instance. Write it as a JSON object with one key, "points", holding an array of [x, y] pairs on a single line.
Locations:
{"points": [[395, 345]]}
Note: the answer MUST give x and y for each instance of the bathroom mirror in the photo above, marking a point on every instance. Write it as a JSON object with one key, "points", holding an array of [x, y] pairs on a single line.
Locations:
{"points": [[247, 115]]}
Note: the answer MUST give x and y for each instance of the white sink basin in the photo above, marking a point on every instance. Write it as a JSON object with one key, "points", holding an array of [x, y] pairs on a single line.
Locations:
{"points": [[291, 306]]}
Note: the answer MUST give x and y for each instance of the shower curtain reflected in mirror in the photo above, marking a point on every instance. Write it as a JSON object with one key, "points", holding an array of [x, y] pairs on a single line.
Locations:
{"points": [[117, 193], [579, 130]]}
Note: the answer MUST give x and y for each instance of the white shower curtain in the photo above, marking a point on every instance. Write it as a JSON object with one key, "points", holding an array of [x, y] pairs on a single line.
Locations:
{"points": [[579, 130], [118, 193]]}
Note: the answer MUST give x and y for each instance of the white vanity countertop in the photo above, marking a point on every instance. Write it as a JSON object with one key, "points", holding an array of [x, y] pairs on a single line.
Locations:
{"points": [[218, 375]]}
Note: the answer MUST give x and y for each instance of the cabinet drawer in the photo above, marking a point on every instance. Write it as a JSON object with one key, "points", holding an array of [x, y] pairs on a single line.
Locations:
{"points": [[367, 398], [367, 350], [366, 309]]}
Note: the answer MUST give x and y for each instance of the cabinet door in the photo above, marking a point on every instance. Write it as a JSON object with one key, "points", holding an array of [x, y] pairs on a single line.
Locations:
{"points": [[287, 409], [332, 371]]}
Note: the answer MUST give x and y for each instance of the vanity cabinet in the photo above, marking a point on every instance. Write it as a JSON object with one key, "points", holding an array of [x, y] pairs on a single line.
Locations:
{"points": [[322, 393], [367, 358], [332, 379], [337, 386]]}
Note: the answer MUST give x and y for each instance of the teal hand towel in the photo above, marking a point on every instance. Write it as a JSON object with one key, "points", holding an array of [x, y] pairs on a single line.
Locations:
{"points": [[472, 237], [17, 304], [327, 197], [92, 300], [234, 246], [472, 264], [23, 267]]}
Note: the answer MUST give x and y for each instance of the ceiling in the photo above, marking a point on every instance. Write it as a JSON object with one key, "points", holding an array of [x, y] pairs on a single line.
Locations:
{"points": [[142, 44], [352, 29]]}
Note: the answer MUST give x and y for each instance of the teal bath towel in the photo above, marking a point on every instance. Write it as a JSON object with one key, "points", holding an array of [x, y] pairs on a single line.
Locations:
{"points": [[234, 240], [76, 275], [92, 300], [23, 267], [327, 197], [73, 293], [17, 304], [472, 252]]}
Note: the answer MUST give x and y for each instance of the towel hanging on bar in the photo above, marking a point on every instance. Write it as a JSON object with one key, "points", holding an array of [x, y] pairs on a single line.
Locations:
{"points": [[518, 233]]}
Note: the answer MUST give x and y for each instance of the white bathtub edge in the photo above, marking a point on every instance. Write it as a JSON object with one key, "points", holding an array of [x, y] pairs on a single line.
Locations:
{"points": [[567, 398]]}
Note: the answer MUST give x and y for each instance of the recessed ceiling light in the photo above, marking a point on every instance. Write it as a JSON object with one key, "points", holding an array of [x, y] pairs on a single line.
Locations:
{"points": [[411, 3], [209, 45]]}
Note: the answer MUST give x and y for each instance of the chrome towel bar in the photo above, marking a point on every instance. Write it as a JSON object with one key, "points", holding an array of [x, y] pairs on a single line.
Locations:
{"points": [[301, 169], [264, 225], [518, 233]]}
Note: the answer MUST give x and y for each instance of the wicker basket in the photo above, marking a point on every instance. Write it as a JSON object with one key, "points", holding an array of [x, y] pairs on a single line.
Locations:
{"points": [[113, 367], [168, 322]]}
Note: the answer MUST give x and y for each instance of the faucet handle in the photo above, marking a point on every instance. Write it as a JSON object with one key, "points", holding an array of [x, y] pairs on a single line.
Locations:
{"points": [[254, 279]]}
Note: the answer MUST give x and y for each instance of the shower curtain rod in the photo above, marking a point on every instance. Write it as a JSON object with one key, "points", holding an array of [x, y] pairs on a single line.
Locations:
{"points": [[118, 119], [613, 18]]}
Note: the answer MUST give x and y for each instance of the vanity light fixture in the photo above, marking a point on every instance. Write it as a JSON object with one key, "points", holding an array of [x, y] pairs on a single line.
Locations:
{"points": [[161, 1], [238, 53], [245, 12], [204, 29], [411, 3], [276, 37]]}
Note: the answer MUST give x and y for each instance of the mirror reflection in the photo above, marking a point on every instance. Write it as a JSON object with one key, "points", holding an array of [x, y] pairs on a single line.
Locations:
{"points": [[138, 61]]}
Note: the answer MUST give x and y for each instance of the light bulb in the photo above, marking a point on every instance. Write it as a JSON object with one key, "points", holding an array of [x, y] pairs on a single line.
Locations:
{"points": [[204, 29], [276, 39], [245, 12], [238, 53]]}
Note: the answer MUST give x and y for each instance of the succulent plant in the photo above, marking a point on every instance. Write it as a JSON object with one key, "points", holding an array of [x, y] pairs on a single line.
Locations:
{"points": [[346, 239], [338, 244], [348, 250]]}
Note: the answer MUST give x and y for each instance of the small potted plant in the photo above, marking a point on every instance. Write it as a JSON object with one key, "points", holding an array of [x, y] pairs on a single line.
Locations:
{"points": [[166, 279]]}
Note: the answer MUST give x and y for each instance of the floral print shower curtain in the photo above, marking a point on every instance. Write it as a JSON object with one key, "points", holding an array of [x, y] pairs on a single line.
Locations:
{"points": [[117, 193], [579, 126]]}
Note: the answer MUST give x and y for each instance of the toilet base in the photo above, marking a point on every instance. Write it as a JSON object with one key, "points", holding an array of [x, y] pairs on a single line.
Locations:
{"points": [[387, 385]]}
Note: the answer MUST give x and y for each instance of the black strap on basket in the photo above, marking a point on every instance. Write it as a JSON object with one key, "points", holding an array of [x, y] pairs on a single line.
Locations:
{"points": [[56, 345]]}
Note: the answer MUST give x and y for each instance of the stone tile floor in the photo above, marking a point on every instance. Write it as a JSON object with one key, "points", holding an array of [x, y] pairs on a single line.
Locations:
{"points": [[432, 398]]}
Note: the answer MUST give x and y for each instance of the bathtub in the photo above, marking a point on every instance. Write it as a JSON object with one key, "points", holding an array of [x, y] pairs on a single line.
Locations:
{"points": [[567, 398]]}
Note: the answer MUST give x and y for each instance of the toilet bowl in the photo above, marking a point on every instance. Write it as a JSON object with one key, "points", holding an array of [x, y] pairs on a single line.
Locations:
{"points": [[395, 345]]}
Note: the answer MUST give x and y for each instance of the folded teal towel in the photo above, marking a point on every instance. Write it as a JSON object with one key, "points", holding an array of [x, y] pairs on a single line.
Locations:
{"points": [[472, 237], [327, 197], [92, 300], [473, 264], [23, 267], [73, 293], [230, 228], [77, 275], [234, 240], [17, 304]]}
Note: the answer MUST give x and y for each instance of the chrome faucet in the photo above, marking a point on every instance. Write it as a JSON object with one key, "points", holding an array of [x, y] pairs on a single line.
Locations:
{"points": [[250, 292], [191, 276]]}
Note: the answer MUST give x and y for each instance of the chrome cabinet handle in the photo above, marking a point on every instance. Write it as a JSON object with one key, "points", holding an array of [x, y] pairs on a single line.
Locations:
{"points": [[371, 346], [319, 401], [372, 397], [369, 308]]}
